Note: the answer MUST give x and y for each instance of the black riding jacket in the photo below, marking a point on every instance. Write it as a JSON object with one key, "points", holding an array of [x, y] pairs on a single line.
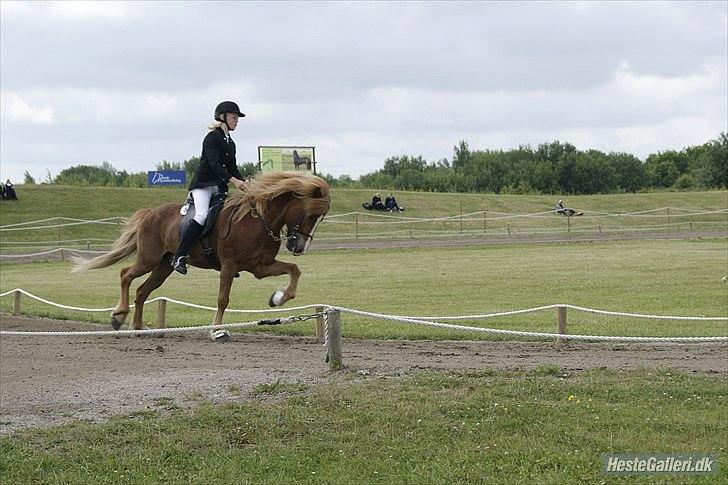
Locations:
{"points": [[217, 163]]}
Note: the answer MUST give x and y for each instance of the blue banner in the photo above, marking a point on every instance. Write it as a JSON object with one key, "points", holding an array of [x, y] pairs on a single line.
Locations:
{"points": [[166, 177]]}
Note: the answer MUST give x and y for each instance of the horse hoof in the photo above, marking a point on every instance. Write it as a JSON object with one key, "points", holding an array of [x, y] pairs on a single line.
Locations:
{"points": [[116, 322], [220, 336], [276, 299]]}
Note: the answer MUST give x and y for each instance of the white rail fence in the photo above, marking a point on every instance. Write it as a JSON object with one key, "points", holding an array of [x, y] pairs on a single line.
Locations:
{"points": [[360, 224], [328, 323]]}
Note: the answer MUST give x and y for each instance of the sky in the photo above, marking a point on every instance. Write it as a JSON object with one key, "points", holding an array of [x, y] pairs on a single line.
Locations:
{"points": [[136, 83]]}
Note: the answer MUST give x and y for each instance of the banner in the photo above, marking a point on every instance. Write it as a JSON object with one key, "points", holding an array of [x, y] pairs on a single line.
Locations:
{"points": [[167, 177], [287, 159]]}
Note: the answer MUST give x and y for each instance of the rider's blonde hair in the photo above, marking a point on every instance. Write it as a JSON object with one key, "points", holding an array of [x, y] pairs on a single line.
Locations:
{"points": [[214, 125]]}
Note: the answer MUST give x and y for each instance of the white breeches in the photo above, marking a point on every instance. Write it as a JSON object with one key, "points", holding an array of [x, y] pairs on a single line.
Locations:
{"points": [[202, 203]]}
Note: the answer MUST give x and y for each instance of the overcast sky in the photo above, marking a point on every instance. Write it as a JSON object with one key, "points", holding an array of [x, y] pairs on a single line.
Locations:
{"points": [[136, 83]]}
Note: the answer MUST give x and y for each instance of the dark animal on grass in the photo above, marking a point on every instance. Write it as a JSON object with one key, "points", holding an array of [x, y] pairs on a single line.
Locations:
{"points": [[246, 237]]}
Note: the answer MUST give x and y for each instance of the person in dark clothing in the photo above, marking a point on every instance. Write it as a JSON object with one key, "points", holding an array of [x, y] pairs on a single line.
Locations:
{"points": [[217, 168], [390, 203], [9, 191], [377, 202]]}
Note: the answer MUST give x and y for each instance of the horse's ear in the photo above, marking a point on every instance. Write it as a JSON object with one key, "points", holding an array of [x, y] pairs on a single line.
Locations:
{"points": [[317, 193]]}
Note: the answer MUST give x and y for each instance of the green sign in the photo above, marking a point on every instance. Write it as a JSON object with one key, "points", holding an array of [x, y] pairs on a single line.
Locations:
{"points": [[287, 159]]}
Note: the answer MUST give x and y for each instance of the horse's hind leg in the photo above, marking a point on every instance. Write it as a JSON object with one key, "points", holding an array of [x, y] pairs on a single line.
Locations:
{"points": [[155, 280], [122, 308]]}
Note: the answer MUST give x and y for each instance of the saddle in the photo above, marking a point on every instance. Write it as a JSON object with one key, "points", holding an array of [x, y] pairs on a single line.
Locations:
{"points": [[188, 213]]}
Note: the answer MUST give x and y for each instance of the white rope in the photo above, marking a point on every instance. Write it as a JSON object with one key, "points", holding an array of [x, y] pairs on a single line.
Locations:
{"points": [[178, 302], [133, 333], [427, 321], [28, 223], [534, 334], [31, 254], [55, 242], [54, 226], [383, 315], [538, 309]]}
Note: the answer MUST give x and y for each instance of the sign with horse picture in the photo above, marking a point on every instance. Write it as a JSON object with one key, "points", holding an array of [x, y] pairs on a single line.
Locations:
{"points": [[287, 159]]}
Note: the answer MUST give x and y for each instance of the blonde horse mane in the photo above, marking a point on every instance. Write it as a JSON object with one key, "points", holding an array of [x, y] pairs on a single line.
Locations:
{"points": [[269, 185]]}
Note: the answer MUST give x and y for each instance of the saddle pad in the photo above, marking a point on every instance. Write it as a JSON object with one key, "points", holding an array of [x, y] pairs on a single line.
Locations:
{"points": [[188, 213]]}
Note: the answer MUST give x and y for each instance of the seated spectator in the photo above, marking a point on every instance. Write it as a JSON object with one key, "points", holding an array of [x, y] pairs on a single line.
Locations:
{"points": [[391, 204], [9, 191], [566, 211], [377, 202], [560, 209]]}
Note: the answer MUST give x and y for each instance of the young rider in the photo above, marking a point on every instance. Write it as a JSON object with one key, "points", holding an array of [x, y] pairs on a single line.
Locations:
{"points": [[217, 167]]}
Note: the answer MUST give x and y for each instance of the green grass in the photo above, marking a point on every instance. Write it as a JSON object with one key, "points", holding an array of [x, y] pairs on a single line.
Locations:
{"points": [[670, 277], [93, 203], [430, 428]]}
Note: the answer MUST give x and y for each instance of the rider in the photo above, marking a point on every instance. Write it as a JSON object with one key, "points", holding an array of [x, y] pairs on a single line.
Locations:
{"points": [[217, 167]]}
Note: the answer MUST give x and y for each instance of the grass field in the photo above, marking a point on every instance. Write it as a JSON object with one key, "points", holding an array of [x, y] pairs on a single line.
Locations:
{"points": [[671, 277], [93, 203], [541, 427], [546, 426]]}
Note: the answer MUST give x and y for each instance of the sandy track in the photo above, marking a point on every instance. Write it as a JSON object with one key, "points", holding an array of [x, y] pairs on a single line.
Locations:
{"points": [[50, 380]]}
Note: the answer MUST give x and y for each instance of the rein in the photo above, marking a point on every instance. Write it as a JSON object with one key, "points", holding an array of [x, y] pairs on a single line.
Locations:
{"points": [[266, 226]]}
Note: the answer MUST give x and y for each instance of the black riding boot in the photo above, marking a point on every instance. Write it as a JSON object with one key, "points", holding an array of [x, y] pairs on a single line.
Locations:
{"points": [[182, 258]]}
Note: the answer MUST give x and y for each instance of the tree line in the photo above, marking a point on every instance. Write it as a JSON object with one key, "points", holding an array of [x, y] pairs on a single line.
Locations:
{"points": [[550, 168], [106, 175]]}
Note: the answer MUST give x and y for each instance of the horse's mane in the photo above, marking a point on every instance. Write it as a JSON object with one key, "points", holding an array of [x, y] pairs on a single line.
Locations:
{"points": [[269, 185]]}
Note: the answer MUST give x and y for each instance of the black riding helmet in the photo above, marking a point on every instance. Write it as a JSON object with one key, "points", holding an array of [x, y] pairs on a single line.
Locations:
{"points": [[227, 107]]}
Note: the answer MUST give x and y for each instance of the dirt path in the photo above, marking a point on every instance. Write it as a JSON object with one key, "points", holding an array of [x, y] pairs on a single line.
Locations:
{"points": [[50, 380]]}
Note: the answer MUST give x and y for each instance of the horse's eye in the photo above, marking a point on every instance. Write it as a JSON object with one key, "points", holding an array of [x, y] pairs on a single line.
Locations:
{"points": [[313, 218]]}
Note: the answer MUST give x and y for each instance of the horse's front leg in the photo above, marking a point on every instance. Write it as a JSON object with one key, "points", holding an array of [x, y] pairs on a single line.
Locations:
{"points": [[277, 268], [223, 298]]}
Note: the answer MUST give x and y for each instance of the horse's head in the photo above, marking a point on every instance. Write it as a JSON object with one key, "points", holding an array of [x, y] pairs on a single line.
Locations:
{"points": [[303, 215]]}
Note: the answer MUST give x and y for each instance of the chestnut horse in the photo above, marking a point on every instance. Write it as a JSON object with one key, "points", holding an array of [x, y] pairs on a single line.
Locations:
{"points": [[246, 237]]}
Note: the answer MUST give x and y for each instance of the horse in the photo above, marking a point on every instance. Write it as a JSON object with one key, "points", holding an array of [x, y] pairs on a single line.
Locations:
{"points": [[245, 237]]}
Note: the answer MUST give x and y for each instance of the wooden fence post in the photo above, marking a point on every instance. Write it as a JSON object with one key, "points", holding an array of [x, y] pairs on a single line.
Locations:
{"points": [[334, 339], [560, 323], [356, 225], [320, 324], [16, 303], [568, 223], [162, 313], [485, 222], [461, 216]]}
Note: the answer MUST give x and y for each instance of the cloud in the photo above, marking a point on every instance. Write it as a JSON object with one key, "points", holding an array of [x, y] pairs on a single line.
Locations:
{"points": [[17, 109], [135, 83], [87, 10]]}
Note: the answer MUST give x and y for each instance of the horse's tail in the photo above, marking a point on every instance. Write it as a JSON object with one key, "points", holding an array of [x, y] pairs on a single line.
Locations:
{"points": [[124, 246]]}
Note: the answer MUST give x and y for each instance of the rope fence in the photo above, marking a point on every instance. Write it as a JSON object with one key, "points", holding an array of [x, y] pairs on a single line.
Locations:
{"points": [[365, 225], [416, 320]]}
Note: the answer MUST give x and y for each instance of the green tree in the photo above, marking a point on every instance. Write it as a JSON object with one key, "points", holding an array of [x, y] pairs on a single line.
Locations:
{"points": [[629, 171], [28, 178], [165, 165]]}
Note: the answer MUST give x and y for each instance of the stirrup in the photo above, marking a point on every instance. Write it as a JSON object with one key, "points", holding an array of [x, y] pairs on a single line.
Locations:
{"points": [[180, 265]]}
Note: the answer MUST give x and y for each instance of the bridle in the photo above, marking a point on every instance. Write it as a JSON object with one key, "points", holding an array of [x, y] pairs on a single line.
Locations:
{"points": [[289, 235]]}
